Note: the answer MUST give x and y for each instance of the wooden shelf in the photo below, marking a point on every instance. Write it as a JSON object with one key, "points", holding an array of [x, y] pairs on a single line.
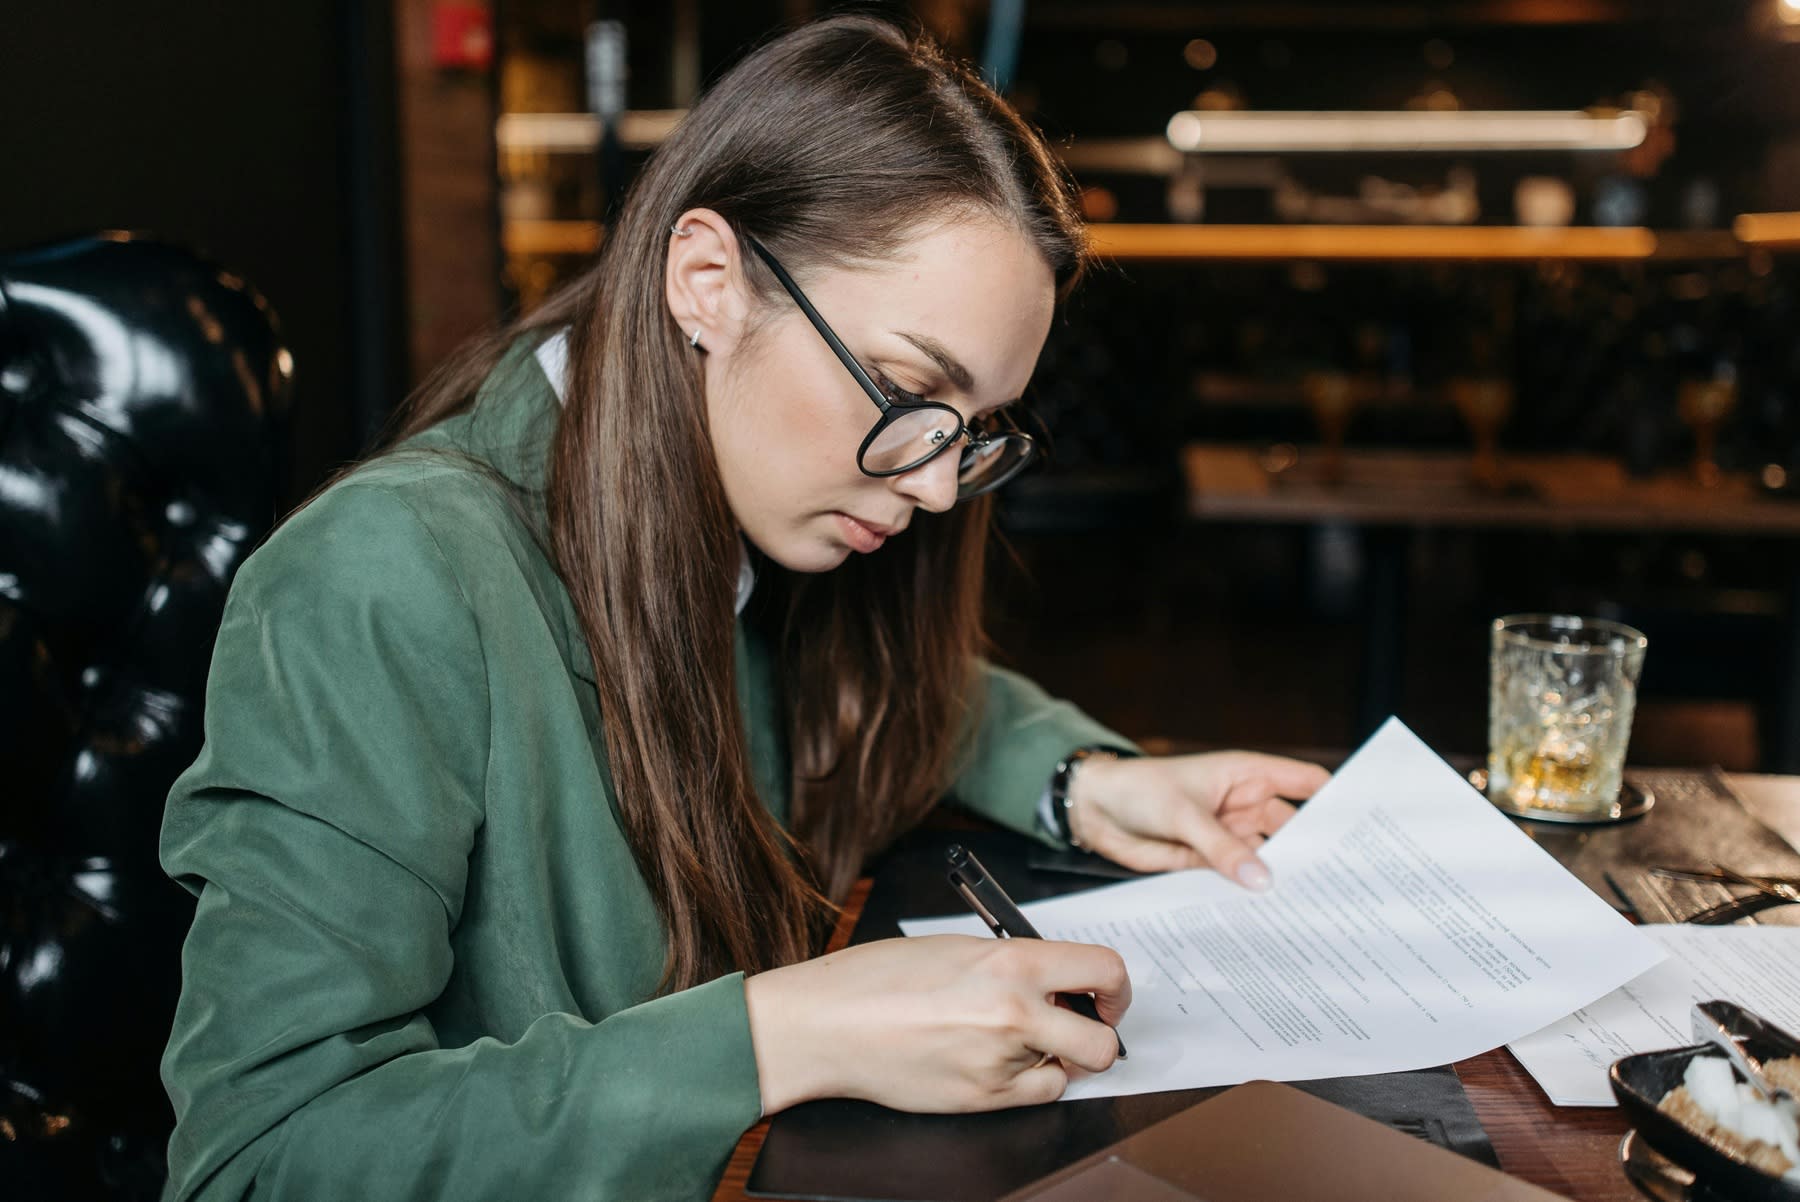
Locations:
{"points": [[1771, 231], [1174, 243], [536, 237], [1111, 19], [1273, 243]]}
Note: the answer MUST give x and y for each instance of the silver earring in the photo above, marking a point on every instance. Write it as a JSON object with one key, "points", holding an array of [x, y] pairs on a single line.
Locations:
{"points": [[680, 231], [695, 340]]}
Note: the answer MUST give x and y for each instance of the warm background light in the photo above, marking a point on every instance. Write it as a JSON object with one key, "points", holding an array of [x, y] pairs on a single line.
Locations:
{"points": [[1273, 132], [1200, 54]]}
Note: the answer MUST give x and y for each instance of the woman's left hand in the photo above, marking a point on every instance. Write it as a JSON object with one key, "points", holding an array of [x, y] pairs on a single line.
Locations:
{"points": [[1189, 811]]}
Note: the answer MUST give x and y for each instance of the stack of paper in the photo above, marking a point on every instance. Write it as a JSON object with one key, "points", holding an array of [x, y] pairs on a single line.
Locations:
{"points": [[1756, 967], [1410, 924]]}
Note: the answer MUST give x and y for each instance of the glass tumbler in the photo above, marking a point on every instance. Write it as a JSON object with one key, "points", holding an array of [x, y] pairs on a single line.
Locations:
{"points": [[1562, 691]]}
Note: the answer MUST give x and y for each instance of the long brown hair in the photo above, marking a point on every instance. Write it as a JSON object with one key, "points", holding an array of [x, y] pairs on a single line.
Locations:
{"points": [[831, 145]]}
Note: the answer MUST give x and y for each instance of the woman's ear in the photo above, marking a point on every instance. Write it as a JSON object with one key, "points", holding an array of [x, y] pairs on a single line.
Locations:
{"points": [[705, 281]]}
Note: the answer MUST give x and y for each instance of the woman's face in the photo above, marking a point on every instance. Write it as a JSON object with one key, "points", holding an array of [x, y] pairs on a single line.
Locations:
{"points": [[958, 317]]}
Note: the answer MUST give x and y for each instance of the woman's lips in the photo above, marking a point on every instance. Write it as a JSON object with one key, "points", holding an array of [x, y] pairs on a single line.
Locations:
{"points": [[860, 537]]}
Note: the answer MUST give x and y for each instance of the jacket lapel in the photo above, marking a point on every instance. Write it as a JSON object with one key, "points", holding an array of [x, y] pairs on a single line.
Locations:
{"points": [[511, 428]]}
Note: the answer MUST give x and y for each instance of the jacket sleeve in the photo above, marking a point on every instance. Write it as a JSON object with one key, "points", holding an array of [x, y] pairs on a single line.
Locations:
{"points": [[326, 829], [1021, 735]]}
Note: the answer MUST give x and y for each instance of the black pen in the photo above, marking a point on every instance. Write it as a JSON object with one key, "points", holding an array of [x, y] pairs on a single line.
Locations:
{"points": [[989, 901]]}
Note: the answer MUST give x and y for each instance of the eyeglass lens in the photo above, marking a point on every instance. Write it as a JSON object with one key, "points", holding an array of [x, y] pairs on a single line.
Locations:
{"points": [[917, 435], [991, 463]]}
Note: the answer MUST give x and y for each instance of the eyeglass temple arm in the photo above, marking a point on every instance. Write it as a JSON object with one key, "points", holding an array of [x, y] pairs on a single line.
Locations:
{"points": [[818, 323]]}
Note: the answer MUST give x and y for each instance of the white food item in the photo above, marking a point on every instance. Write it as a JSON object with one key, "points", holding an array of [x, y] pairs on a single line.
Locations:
{"points": [[1740, 1109]]}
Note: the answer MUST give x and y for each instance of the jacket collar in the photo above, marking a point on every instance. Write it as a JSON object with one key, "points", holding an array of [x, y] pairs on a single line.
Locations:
{"points": [[512, 425], [510, 428]]}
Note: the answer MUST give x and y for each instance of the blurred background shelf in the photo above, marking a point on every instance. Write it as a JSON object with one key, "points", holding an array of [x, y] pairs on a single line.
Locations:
{"points": [[1152, 243], [543, 236], [1174, 243], [1775, 231]]}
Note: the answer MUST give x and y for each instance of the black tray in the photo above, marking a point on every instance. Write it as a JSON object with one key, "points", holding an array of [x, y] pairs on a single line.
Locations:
{"points": [[1640, 1081]]}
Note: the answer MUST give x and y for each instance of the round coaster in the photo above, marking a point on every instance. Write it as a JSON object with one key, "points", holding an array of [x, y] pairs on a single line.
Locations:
{"points": [[1633, 802]]}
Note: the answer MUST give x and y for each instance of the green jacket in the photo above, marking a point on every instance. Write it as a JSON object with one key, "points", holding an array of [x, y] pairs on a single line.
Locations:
{"points": [[423, 961]]}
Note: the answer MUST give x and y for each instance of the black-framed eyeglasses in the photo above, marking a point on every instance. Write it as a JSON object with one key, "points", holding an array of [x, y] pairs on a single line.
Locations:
{"points": [[910, 434]]}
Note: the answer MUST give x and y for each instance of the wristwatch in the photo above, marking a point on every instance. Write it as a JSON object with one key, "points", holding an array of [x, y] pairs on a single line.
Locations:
{"points": [[1061, 781]]}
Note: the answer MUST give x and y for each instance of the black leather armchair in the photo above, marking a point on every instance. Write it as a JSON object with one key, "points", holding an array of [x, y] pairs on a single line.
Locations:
{"points": [[141, 397]]}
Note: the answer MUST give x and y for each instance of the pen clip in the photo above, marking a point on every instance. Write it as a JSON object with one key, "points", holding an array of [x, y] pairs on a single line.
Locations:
{"points": [[974, 904]]}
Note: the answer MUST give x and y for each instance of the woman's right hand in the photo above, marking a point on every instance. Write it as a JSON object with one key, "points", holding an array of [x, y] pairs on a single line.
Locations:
{"points": [[938, 1023]]}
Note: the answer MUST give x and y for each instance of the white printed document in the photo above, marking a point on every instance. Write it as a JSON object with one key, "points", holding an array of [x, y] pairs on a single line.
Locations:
{"points": [[1756, 967], [1410, 924]]}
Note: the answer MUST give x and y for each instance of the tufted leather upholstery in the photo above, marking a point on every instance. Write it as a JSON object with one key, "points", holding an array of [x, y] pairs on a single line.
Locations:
{"points": [[141, 392]]}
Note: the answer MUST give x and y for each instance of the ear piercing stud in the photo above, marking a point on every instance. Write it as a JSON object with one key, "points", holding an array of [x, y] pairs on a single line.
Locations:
{"points": [[680, 231]]}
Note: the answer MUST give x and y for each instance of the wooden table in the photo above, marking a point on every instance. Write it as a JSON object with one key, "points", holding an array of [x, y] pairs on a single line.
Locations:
{"points": [[1387, 495], [1570, 1150]]}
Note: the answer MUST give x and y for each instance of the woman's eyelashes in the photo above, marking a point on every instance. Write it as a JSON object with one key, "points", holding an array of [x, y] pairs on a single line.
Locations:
{"points": [[895, 393]]}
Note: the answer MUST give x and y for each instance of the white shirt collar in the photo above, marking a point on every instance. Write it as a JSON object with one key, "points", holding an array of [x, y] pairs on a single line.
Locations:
{"points": [[553, 357]]}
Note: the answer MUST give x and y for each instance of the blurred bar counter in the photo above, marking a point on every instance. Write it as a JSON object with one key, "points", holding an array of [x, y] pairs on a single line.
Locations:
{"points": [[1388, 496], [1439, 488]]}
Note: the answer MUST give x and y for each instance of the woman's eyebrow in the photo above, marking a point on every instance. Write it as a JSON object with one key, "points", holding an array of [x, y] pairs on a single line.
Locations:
{"points": [[940, 355]]}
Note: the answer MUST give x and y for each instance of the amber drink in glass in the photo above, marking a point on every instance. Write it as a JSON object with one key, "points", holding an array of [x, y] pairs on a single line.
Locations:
{"points": [[1562, 693]]}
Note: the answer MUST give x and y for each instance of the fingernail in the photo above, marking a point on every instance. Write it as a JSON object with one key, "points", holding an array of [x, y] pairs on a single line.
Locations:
{"points": [[1252, 874]]}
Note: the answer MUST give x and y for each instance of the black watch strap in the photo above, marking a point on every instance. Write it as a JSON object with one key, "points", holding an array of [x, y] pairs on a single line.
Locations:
{"points": [[1064, 776]]}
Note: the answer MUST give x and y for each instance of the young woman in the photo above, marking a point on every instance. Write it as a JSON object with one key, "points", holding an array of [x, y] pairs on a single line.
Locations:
{"points": [[539, 745]]}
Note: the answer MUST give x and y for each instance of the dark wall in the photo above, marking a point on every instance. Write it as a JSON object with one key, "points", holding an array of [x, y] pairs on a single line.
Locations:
{"points": [[257, 133]]}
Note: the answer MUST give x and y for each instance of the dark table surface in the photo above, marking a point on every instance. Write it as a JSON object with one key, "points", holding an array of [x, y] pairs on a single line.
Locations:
{"points": [[1700, 816]]}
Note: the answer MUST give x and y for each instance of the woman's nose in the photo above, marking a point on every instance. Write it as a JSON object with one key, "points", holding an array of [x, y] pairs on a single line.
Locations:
{"points": [[931, 486]]}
